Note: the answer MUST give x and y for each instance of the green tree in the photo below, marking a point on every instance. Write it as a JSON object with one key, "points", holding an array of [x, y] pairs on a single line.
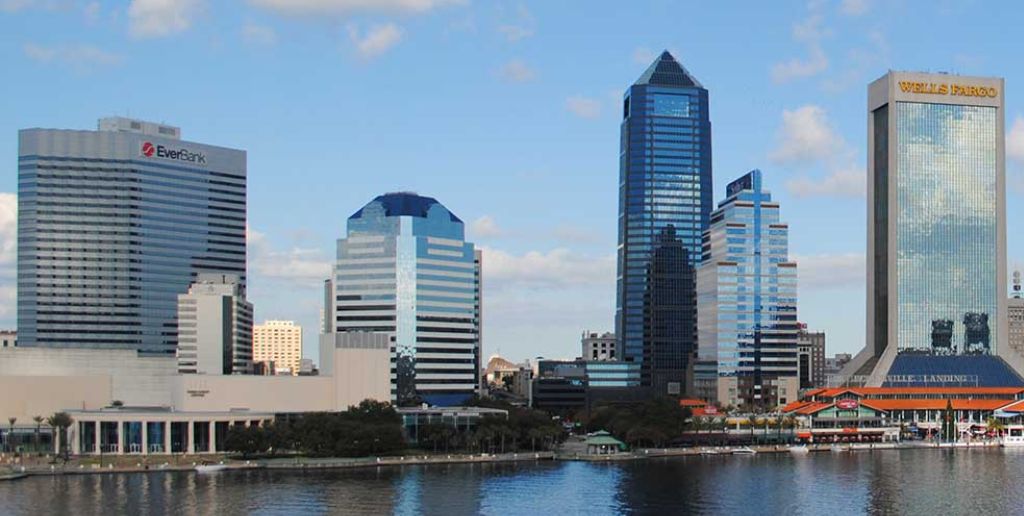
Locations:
{"points": [[948, 423], [39, 422], [247, 440], [10, 432], [996, 425], [60, 422]]}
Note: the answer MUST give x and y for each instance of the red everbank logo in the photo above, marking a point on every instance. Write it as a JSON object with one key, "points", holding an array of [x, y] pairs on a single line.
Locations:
{"points": [[149, 150]]}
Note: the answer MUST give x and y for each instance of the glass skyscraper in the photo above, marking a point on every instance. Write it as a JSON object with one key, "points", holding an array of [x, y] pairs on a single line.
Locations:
{"points": [[405, 269], [938, 220], [936, 304], [113, 224], [664, 204], [747, 291]]}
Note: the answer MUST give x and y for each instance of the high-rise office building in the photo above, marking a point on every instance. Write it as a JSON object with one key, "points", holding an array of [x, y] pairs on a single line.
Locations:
{"points": [[936, 231], [279, 343], [664, 204], [405, 269], [746, 288], [811, 349], [113, 224], [215, 327]]}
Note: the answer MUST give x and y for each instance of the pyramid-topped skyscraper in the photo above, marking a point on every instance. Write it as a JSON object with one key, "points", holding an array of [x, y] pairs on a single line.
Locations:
{"points": [[665, 201]]}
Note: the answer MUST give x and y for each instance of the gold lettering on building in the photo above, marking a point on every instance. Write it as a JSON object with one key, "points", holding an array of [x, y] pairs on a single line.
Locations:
{"points": [[932, 88]]}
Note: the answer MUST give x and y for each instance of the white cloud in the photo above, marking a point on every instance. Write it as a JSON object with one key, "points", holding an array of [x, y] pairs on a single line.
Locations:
{"points": [[797, 68], [8, 229], [830, 270], [1015, 140], [810, 32], [376, 41], [298, 266], [256, 34], [840, 182], [643, 56], [158, 18], [345, 7], [550, 270], [78, 57], [806, 139], [485, 227], [805, 136], [515, 33], [854, 7], [583, 107], [8, 254], [12, 6], [516, 70], [92, 12]]}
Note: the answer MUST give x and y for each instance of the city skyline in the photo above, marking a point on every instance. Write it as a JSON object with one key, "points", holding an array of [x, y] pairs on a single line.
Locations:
{"points": [[792, 107]]}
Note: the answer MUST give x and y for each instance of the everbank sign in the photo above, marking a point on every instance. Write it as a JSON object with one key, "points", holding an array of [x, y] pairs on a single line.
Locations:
{"points": [[151, 150]]}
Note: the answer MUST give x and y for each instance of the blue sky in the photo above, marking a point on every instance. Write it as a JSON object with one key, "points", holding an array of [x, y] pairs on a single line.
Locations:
{"points": [[508, 113]]}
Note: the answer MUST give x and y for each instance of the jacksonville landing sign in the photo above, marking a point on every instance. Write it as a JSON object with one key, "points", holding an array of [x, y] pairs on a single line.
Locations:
{"points": [[150, 150], [934, 88]]}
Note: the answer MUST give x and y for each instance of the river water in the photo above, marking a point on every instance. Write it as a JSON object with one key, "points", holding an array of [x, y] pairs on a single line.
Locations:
{"points": [[929, 482]]}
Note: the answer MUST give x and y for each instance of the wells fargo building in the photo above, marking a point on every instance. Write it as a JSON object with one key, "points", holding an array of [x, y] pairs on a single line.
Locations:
{"points": [[936, 221]]}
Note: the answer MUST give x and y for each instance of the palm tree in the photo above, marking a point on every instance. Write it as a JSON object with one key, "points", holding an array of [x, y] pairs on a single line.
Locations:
{"points": [[996, 425], [10, 432], [39, 422], [60, 421]]}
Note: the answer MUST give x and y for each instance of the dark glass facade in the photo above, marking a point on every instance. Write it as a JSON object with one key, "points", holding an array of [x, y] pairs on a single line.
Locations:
{"points": [[112, 226], [665, 200]]}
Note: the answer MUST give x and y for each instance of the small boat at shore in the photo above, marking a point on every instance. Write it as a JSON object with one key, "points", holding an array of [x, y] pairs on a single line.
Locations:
{"points": [[746, 450], [838, 449], [799, 450], [210, 468]]}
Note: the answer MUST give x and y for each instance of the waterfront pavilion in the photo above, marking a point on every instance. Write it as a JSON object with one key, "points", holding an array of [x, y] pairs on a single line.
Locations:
{"points": [[156, 431], [602, 443]]}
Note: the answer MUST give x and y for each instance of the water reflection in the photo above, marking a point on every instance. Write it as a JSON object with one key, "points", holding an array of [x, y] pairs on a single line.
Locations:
{"points": [[884, 482]]}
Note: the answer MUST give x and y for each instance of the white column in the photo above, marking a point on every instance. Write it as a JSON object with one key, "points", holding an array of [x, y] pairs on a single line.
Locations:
{"points": [[190, 448], [167, 436], [145, 437], [75, 439], [96, 448], [213, 437], [120, 436]]}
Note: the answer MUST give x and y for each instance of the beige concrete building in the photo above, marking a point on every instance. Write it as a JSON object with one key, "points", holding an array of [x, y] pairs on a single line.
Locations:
{"points": [[279, 343], [162, 410], [215, 327], [1015, 323]]}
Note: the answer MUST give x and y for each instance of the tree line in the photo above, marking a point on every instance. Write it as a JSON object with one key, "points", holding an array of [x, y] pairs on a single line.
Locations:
{"points": [[375, 428]]}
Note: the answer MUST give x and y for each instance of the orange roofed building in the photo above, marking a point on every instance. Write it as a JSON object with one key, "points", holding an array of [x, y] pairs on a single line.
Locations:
{"points": [[878, 413]]}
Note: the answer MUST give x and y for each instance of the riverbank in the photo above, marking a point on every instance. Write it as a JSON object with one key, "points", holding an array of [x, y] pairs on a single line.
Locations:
{"points": [[137, 464]]}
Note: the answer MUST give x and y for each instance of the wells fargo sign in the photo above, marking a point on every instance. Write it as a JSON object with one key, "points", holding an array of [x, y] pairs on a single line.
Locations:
{"points": [[935, 88]]}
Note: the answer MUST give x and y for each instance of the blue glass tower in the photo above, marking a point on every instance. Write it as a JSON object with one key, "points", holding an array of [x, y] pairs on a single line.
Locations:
{"points": [[747, 291], [664, 206], [405, 269]]}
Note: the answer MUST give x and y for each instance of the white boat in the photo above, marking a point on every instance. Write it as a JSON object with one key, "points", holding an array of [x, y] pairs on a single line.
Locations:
{"points": [[210, 468], [799, 450], [746, 450], [1013, 437], [836, 448]]}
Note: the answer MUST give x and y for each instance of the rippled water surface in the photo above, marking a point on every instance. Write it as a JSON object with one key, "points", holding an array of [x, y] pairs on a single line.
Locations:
{"points": [[931, 482]]}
